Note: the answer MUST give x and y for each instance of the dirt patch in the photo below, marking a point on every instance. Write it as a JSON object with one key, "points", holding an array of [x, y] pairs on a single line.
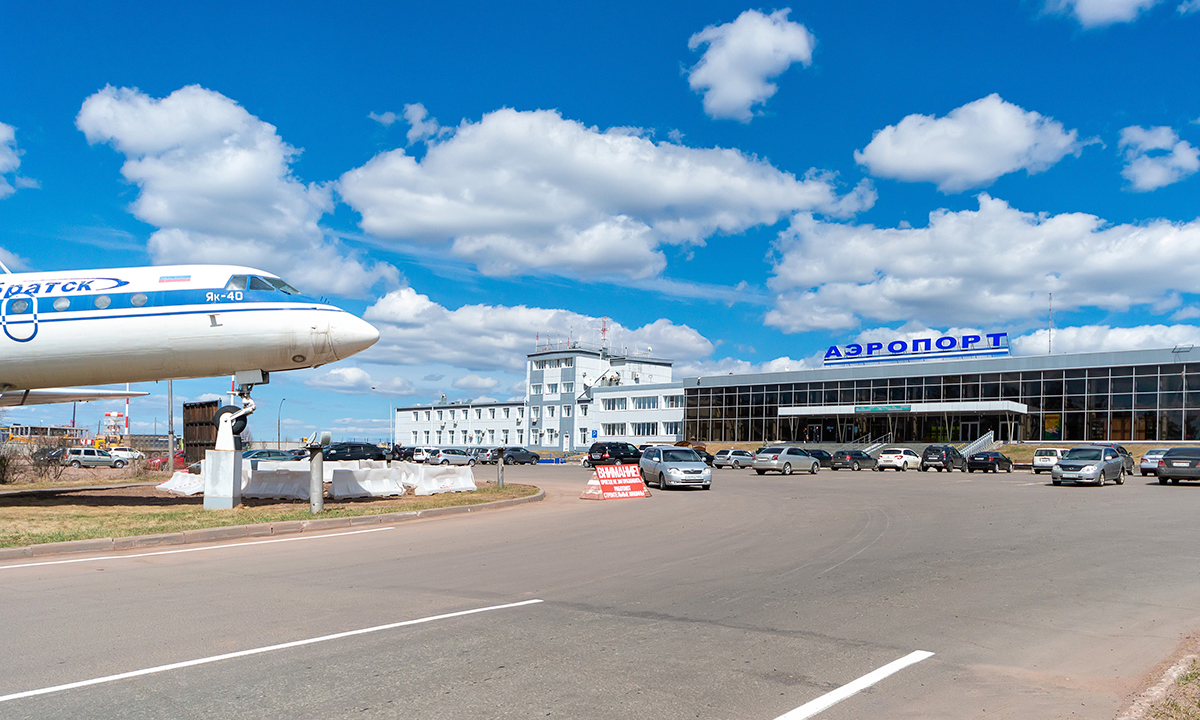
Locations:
{"points": [[1172, 689], [124, 512]]}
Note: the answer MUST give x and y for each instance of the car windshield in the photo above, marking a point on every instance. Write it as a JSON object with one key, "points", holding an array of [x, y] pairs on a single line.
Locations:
{"points": [[1183, 452], [770, 451], [683, 455], [1044, 453], [1155, 453], [1084, 454]]}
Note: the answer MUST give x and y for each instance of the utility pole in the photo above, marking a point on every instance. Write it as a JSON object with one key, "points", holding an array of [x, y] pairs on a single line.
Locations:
{"points": [[170, 463]]}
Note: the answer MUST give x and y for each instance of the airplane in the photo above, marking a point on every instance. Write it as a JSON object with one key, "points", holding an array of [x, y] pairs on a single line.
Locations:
{"points": [[166, 322]]}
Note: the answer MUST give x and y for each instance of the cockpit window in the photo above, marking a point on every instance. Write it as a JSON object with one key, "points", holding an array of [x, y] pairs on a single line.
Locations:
{"points": [[257, 283], [282, 286], [237, 282]]}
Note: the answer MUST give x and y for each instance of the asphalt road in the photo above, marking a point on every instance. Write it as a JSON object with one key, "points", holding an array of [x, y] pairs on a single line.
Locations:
{"points": [[743, 602]]}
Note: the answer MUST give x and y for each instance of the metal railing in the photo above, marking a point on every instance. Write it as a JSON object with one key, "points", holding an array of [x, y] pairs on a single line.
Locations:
{"points": [[979, 444]]}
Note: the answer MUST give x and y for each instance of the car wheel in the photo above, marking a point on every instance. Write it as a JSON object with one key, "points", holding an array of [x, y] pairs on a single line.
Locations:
{"points": [[970, 470], [1162, 481], [708, 486], [508, 460], [815, 467], [471, 462], [662, 482], [787, 469], [736, 465], [1121, 476], [1037, 472], [119, 464], [1057, 482], [922, 467], [856, 467], [903, 467], [75, 463], [1174, 481], [1009, 468], [1100, 479], [941, 469], [760, 472]]}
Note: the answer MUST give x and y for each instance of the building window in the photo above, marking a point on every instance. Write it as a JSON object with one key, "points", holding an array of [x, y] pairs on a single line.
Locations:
{"points": [[415, 437], [426, 414], [566, 411], [535, 389], [478, 413], [583, 436], [426, 437], [506, 413], [492, 436], [505, 434], [535, 412], [416, 415], [672, 428], [645, 429], [549, 411], [521, 411], [452, 414], [493, 412], [552, 389], [583, 410], [451, 437], [646, 403], [439, 414], [614, 403], [674, 401], [439, 437], [613, 429], [568, 387], [520, 437]]}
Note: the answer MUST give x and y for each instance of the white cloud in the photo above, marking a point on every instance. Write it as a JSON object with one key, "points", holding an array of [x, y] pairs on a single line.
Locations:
{"points": [[970, 147], [415, 330], [1097, 13], [1175, 160], [1099, 338], [985, 266], [742, 56], [10, 161], [531, 192], [356, 381], [421, 128], [1188, 6], [217, 181], [737, 366], [11, 260], [386, 119], [475, 382]]}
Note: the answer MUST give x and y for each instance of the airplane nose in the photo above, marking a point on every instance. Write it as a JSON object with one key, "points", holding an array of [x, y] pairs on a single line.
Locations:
{"points": [[350, 335]]}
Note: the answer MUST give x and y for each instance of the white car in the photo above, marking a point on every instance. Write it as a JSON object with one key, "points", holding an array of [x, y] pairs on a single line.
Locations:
{"points": [[898, 459], [421, 454], [1046, 459], [1149, 463], [127, 453]]}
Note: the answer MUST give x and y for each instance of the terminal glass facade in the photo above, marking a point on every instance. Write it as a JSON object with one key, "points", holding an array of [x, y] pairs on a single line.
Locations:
{"points": [[1119, 403]]}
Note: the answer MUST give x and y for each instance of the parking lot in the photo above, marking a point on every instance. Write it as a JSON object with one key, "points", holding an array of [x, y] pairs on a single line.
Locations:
{"points": [[747, 601]]}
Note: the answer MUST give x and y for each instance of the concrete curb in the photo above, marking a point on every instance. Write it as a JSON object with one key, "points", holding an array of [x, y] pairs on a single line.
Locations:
{"points": [[237, 532]]}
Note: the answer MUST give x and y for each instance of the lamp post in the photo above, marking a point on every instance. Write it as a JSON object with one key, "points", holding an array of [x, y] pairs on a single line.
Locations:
{"points": [[391, 418], [278, 413]]}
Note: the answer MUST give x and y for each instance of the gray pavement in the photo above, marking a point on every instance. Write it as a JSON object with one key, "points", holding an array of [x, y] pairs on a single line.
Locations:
{"points": [[743, 602]]}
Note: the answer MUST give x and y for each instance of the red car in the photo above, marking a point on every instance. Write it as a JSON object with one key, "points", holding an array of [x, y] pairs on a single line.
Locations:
{"points": [[157, 463]]}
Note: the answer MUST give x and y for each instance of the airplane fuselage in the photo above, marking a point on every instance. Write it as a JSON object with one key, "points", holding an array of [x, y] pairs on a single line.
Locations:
{"points": [[95, 327]]}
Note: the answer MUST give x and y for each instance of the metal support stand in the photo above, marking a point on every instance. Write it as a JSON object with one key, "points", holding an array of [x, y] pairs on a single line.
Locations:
{"points": [[223, 464], [316, 478]]}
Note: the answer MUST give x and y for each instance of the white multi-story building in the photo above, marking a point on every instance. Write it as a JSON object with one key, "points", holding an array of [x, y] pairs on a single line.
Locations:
{"points": [[638, 414], [462, 424]]}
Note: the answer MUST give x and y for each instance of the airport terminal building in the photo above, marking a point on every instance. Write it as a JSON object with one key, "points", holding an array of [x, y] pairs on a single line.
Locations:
{"points": [[935, 390]]}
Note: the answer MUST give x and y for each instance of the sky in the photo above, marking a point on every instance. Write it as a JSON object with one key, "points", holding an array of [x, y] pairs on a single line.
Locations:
{"points": [[734, 187]]}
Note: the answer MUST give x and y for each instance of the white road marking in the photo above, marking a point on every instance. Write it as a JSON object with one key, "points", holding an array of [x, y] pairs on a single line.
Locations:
{"points": [[834, 697], [255, 651], [191, 550]]}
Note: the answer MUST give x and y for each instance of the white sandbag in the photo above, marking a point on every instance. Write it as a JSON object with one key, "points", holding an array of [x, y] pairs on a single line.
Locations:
{"points": [[283, 484], [371, 482], [434, 479], [184, 483]]}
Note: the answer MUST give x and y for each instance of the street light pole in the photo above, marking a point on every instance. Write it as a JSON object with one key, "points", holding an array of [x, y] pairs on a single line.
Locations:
{"points": [[278, 413], [391, 418]]}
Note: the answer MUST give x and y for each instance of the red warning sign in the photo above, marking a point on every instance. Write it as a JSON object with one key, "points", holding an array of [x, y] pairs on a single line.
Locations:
{"points": [[612, 482]]}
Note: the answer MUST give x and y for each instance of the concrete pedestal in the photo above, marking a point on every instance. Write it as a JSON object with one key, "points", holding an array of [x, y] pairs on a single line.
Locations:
{"points": [[222, 479]]}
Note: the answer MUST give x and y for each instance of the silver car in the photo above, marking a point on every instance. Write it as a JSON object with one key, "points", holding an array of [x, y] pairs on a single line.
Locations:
{"points": [[1089, 464], [733, 458], [90, 457], [1149, 463], [785, 461], [671, 466], [450, 456]]}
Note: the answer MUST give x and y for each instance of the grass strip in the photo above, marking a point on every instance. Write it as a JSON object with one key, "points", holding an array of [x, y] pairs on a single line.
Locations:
{"points": [[87, 515]]}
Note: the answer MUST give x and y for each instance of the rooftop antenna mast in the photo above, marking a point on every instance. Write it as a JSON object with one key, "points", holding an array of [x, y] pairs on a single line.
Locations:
{"points": [[603, 332]]}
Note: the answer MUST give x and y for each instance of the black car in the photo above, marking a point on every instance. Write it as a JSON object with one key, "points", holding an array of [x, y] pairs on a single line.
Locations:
{"points": [[353, 451], [852, 459], [985, 461], [612, 453], [1179, 463], [822, 456], [942, 457], [514, 456]]}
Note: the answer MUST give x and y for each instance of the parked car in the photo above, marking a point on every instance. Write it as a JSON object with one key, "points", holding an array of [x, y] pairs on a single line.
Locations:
{"points": [[1089, 464], [852, 459], [785, 461], [733, 458], [352, 451], [900, 459], [705, 455], [1149, 462], [127, 454], [90, 457], [268, 454], [421, 454], [512, 455], [1125, 456], [942, 457], [823, 456], [613, 453], [160, 462], [450, 456], [1046, 458], [1179, 463], [989, 461], [669, 466]]}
